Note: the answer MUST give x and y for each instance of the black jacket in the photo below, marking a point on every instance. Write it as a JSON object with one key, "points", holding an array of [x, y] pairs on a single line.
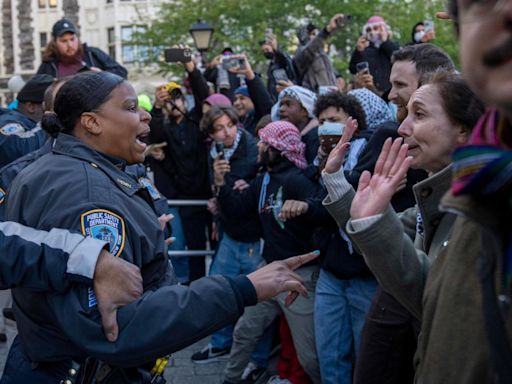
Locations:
{"points": [[282, 240], [243, 166], [81, 189], [184, 171], [379, 60], [281, 60], [93, 57]]}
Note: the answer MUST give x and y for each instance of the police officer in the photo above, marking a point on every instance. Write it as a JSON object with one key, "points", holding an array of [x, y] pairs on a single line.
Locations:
{"points": [[19, 134], [81, 184]]}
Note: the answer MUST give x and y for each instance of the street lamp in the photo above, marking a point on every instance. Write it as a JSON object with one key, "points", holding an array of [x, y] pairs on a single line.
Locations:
{"points": [[202, 33]]}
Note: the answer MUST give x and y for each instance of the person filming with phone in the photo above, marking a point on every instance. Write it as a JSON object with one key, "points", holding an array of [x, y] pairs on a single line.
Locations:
{"points": [[280, 67], [375, 47], [422, 32]]}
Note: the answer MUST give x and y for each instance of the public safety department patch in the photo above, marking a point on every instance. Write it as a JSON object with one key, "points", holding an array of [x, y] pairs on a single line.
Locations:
{"points": [[11, 129], [104, 225], [2, 196]]}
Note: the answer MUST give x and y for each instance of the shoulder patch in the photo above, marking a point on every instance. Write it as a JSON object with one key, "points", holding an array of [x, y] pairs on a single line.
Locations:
{"points": [[11, 129], [146, 183], [104, 225], [3, 194]]}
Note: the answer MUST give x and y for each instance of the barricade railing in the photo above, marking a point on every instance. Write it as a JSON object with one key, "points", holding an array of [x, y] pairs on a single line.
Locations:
{"points": [[191, 252]]}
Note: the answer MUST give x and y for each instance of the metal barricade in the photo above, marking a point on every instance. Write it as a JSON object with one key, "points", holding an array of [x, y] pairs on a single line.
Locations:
{"points": [[186, 252]]}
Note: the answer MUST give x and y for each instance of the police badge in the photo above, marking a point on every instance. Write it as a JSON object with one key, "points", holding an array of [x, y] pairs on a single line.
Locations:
{"points": [[106, 226]]}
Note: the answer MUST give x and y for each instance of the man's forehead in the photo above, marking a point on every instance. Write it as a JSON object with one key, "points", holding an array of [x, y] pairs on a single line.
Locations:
{"points": [[403, 68]]}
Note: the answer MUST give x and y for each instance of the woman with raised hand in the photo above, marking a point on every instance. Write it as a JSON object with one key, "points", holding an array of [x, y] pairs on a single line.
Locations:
{"points": [[400, 248], [81, 185]]}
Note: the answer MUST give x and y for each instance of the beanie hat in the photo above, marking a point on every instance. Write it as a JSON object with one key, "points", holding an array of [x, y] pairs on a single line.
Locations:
{"points": [[33, 90], [242, 91], [218, 99], [285, 137], [145, 102]]}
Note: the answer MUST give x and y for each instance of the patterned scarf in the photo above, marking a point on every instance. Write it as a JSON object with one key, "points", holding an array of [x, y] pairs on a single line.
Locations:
{"points": [[484, 168]]}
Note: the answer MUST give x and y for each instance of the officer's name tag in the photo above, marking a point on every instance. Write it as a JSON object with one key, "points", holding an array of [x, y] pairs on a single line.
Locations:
{"points": [[106, 226]]}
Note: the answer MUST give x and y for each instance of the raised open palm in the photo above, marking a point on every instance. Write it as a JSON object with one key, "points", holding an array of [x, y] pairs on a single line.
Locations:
{"points": [[375, 192], [337, 155]]}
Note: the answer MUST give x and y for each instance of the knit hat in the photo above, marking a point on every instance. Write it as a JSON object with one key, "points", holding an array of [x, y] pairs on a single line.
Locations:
{"points": [[62, 26], [304, 96], [285, 137], [218, 99], [375, 109], [34, 89], [242, 91]]}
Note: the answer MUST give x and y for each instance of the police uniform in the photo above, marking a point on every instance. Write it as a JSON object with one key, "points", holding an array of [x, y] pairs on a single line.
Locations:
{"points": [[77, 188], [19, 134]]}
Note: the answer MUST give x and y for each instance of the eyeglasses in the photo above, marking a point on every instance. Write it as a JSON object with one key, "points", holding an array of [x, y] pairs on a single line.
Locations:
{"points": [[476, 10]]}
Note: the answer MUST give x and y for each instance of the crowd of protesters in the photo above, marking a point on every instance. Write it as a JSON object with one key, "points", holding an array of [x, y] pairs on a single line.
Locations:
{"points": [[397, 180]]}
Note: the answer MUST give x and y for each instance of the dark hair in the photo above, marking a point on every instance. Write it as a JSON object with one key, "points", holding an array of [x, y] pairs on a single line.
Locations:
{"points": [[347, 103], [216, 112], [85, 92], [459, 102], [51, 52], [49, 96], [427, 57], [453, 11], [262, 123]]}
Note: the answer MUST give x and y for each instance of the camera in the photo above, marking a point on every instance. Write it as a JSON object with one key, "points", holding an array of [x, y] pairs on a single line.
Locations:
{"points": [[178, 55], [229, 62], [219, 147], [363, 66]]}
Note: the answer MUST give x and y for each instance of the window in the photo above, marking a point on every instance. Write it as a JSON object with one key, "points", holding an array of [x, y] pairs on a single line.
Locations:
{"points": [[47, 4], [43, 39], [131, 51], [111, 38]]}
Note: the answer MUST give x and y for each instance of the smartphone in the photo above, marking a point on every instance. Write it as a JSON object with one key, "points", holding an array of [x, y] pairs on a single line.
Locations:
{"points": [[229, 62], [429, 25], [178, 55], [279, 74], [219, 147], [340, 21], [363, 66]]}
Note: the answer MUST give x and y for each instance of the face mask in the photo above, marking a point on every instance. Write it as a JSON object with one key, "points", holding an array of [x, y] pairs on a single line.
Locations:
{"points": [[418, 36], [268, 55], [329, 128], [374, 38]]}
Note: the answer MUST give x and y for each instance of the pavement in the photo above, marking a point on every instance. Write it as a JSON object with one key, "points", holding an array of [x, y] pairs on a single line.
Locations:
{"points": [[181, 370]]}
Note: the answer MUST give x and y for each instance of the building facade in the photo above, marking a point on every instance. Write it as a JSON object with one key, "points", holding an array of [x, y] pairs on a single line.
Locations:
{"points": [[107, 24]]}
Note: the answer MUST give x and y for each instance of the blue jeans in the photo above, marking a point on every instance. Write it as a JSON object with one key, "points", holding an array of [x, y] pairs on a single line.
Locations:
{"points": [[235, 258], [340, 311], [180, 264], [18, 368]]}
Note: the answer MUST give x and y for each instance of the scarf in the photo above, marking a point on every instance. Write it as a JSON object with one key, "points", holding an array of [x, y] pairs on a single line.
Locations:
{"points": [[228, 152]]}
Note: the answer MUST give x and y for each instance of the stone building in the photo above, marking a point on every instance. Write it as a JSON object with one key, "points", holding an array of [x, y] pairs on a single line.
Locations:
{"points": [[107, 24]]}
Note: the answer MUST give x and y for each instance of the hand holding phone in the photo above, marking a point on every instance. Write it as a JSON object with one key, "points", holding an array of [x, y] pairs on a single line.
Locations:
{"points": [[363, 67], [219, 147], [229, 62], [178, 55]]}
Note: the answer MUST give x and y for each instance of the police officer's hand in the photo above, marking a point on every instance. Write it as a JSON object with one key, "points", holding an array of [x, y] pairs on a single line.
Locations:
{"points": [[116, 283], [220, 168], [278, 277]]}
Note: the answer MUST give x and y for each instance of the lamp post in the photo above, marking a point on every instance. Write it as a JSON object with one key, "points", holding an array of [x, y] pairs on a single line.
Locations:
{"points": [[202, 33]]}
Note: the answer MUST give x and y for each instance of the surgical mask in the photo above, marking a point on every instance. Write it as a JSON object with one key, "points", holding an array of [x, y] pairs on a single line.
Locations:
{"points": [[374, 37], [269, 55], [418, 36], [328, 128]]}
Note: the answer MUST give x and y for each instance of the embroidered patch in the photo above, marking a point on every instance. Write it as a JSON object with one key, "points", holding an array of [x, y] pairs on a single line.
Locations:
{"points": [[104, 225], [2, 196], [91, 298], [11, 129], [146, 183]]}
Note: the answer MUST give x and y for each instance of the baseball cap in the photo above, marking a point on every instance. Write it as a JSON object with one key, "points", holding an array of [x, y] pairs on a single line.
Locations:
{"points": [[62, 26]]}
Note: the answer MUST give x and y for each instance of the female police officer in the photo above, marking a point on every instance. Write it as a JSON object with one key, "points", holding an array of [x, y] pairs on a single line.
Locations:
{"points": [[81, 185]]}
